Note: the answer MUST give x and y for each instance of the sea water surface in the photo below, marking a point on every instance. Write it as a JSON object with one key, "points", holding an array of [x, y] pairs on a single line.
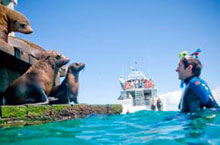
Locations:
{"points": [[143, 127]]}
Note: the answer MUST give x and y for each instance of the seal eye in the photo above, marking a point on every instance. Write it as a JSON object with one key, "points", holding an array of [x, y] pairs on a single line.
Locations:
{"points": [[22, 25], [58, 57]]}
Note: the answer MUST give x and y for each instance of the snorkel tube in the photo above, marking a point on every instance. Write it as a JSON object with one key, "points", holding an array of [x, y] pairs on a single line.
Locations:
{"points": [[196, 53], [185, 54]]}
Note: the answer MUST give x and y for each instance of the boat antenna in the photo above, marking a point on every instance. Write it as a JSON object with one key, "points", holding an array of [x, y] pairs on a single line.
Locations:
{"points": [[135, 64]]}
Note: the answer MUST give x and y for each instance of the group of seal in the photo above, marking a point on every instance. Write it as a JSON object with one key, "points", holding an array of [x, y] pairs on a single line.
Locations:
{"points": [[37, 83]]}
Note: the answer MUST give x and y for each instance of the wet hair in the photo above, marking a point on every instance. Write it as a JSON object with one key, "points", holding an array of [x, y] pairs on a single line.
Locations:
{"points": [[197, 66]]}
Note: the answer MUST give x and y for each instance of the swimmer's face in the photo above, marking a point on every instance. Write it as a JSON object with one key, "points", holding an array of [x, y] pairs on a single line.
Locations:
{"points": [[183, 72]]}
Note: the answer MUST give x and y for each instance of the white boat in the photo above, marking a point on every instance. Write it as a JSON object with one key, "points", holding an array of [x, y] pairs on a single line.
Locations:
{"points": [[139, 93]]}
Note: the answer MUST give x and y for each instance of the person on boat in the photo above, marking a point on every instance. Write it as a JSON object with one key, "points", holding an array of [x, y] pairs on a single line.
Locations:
{"points": [[129, 96], [197, 94], [132, 84], [153, 105], [127, 85], [159, 105]]}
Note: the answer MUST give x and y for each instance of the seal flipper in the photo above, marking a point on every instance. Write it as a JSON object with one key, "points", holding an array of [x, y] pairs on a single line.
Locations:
{"points": [[41, 96], [75, 100]]}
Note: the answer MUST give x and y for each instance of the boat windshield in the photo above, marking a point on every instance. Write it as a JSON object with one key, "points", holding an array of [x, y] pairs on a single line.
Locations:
{"points": [[136, 75]]}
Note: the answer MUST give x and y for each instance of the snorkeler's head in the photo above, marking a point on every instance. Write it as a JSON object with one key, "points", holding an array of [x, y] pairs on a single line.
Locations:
{"points": [[189, 65], [195, 62]]}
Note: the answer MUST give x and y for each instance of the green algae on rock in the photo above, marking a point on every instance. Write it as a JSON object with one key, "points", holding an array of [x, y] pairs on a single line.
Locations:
{"points": [[22, 115]]}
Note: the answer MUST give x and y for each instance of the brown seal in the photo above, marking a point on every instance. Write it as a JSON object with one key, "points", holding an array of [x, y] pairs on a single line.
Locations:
{"points": [[68, 90], [36, 83], [12, 21], [34, 51]]}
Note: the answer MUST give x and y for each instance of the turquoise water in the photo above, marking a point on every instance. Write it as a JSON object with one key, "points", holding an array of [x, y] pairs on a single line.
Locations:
{"points": [[144, 127]]}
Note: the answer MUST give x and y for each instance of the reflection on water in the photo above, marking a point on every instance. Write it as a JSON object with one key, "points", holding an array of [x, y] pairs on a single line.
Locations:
{"points": [[144, 127]]}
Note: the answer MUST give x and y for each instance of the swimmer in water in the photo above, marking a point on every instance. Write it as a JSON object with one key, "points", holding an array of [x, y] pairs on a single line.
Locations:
{"points": [[197, 94]]}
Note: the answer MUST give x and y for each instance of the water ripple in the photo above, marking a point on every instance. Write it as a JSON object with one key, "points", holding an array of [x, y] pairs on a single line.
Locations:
{"points": [[144, 127]]}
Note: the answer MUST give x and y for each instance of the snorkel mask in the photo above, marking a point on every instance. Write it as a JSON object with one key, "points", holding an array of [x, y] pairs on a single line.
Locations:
{"points": [[185, 54]]}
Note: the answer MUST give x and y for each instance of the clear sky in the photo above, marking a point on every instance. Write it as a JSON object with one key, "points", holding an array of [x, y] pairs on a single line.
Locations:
{"points": [[109, 35]]}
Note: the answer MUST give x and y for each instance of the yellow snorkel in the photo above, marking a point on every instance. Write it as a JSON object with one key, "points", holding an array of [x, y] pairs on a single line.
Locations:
{"points": [[183, 54]]}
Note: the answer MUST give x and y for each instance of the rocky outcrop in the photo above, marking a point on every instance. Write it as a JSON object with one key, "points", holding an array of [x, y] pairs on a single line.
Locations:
{"points": [[24, 115]]}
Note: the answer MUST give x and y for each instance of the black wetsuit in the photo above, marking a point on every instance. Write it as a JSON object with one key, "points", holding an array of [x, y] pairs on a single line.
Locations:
{"points": [[196, 96]]}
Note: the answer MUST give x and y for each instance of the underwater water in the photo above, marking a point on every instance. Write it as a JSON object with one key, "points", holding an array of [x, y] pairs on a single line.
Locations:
{"points": [[143, 127]]}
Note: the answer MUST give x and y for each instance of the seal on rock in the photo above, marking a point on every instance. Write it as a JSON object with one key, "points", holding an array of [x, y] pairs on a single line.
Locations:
{"points": [[67, 91], [12, 21]]}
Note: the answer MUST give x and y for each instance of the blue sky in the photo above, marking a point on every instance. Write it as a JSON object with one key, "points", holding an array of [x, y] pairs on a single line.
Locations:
{"points": [[108, 36]]}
